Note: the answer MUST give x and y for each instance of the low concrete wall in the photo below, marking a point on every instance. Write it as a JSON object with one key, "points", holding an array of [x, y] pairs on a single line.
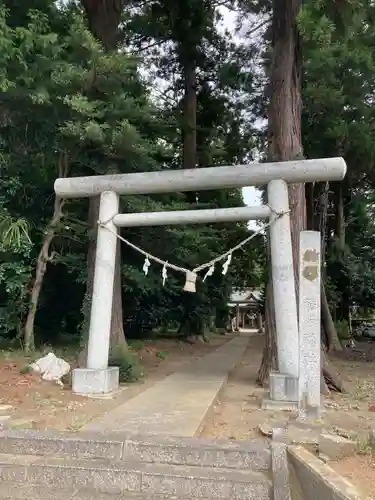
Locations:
{"points": [[311, 479]]}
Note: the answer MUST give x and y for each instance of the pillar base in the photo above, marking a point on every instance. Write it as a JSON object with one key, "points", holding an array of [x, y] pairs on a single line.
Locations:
{"points": [[88, 381], [270, 404], [284, 387]]}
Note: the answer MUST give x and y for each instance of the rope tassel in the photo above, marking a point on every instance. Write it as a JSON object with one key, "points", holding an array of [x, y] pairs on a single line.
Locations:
{"points": [[164, 274], [210, 272], [146, 265], [226, 264], [191, 279]]}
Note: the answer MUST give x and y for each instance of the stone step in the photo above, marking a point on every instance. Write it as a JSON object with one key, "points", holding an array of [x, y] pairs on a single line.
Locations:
{"points": [[250, 455], [116, 477], [39, 492]]}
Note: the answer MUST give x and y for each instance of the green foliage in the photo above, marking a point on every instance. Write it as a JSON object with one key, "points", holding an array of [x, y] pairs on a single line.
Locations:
{"points": [[342, 329], [162, 354], [14, 234], [338, 120], [128, 363], [339, 71], [70, 108], [136, 345], [15, 248]]}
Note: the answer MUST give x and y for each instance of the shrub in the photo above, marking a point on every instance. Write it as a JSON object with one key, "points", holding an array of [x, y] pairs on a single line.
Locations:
{"points": [[128, 363], [342, 329], [221, 331], [137, 345], [162, 354]]}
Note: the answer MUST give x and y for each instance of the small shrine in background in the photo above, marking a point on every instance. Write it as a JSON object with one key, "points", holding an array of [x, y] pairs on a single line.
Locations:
{"points": [[246, 309]]}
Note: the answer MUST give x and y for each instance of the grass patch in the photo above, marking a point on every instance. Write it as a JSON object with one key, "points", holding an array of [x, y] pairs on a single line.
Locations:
{"points": [[137, 345], [365, 446], [25, 370], [162, 354], [128, 363]]}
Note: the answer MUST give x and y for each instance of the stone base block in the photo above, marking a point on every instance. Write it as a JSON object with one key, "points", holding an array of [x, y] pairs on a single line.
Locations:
{"points": [[283, 387], [89, 381], [271, 404]]}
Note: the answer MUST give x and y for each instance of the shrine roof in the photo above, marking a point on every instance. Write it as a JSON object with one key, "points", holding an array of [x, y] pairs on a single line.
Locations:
{"points": [[244, 295]]}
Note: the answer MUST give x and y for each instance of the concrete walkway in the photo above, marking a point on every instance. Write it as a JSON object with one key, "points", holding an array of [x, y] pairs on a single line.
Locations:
{"points": [[176, 405]]}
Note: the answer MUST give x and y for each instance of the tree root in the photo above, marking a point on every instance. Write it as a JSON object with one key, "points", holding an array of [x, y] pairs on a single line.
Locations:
{"points": [[331, 377]]}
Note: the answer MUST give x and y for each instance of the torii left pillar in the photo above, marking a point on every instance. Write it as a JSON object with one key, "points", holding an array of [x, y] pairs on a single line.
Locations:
{"points": [[98, 377]]}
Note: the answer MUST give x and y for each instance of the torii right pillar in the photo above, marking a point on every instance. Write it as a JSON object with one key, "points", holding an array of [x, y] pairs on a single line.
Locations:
{"points": [[284, 384]]}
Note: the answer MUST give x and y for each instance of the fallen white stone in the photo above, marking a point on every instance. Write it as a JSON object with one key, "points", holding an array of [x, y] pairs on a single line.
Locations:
{"points": [[51, 368]]}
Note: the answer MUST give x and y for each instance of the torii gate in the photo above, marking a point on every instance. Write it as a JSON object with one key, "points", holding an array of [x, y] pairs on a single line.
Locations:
{"points": [[98, 377]]}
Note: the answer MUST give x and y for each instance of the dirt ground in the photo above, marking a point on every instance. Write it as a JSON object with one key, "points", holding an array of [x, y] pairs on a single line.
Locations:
{"points": [[237, 414], [33, 403]]}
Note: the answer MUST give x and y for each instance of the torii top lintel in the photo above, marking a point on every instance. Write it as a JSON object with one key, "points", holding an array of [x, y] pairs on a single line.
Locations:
{"points": [[203, 179]]}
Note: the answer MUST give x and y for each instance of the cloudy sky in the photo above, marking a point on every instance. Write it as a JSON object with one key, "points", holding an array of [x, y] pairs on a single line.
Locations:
{"points": [[251, 196]]}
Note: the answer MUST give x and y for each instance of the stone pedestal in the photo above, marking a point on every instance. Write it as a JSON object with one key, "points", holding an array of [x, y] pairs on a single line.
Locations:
{"points": [[87, 381], [272, 405], [283, 387], [284, 392]]}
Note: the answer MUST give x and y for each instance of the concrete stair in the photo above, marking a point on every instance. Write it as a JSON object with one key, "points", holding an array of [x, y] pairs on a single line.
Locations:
{"points": [[83, 466]]}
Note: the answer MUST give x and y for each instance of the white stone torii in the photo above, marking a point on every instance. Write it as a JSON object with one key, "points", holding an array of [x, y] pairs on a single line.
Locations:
{"points": [[98, 377]]}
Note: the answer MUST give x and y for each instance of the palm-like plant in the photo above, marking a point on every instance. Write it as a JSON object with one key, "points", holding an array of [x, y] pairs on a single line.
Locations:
{"points": [[14, 233]]}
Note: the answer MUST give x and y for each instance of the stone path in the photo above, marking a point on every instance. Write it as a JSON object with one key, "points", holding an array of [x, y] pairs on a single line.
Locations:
{"points": [[177, 405]]}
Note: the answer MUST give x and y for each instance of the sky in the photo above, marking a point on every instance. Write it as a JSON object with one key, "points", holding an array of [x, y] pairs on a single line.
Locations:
{"points": [[251, 196]]}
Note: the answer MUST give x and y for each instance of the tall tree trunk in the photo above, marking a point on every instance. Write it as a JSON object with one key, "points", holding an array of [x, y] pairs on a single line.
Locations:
{"points": [[322, 224], [117, 322], [189, 160], [339, 188], [340, 215], [284, 126], [309, 195], [189, 128], [44, 257], [329, 334], [269, 359], [284, 133], [104, 17], [332, 340]]}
